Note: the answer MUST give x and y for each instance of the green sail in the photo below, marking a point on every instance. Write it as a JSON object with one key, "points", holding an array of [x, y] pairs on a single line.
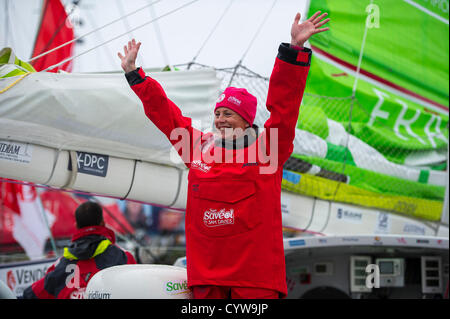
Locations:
{"points": [[407, 42], [384, 128], [398, 128]]}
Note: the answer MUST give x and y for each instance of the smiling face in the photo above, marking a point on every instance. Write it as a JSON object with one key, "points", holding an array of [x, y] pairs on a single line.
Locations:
{"points": [[229, 123]]}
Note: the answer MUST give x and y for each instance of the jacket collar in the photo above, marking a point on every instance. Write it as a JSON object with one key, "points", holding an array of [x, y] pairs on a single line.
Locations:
{"points": [[249, 137], [94, 230]]}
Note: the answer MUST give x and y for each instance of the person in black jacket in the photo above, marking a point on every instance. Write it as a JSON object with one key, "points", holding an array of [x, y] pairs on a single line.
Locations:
{"points": [[91, 250]]}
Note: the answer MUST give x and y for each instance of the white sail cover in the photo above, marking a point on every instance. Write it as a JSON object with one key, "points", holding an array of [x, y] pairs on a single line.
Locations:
{"points": [[99, 113]]}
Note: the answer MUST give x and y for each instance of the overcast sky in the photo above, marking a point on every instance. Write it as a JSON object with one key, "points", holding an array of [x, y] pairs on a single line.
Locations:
{"points": [[182, 32]]}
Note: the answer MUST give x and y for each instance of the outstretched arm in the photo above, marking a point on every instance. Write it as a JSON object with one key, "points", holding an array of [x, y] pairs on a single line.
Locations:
{"points": [[157, 106], [288, 81]]}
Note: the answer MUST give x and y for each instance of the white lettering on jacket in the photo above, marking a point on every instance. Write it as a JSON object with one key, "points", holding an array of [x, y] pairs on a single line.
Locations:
{"points": [[234, 100], [197, 164]]}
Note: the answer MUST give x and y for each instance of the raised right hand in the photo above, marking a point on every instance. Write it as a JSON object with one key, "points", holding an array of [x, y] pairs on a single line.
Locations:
{"points": [[129, 59], [301, 32]]}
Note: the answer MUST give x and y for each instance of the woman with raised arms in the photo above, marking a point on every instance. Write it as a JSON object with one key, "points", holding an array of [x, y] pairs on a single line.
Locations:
{"points": [[234, 239]]}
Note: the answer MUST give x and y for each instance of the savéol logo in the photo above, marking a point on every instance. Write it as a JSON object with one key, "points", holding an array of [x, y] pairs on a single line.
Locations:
{"points": [[177, 287], [197, 164], [213, 217]]}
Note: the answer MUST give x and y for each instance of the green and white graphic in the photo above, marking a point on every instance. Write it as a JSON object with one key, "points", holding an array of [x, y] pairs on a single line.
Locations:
{"points": [[375, 110]]}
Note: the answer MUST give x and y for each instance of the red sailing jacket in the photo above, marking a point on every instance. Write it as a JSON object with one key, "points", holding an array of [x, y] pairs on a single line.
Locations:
{"points": [[92, 249], [233, 212]]}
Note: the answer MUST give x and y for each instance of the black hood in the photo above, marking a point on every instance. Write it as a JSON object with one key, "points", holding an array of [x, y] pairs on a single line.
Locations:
{"points": [[84, 247]]}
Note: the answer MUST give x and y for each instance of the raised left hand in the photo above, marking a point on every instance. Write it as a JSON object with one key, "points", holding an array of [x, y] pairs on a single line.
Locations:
{"points": [[128, 60], [300, 33]]}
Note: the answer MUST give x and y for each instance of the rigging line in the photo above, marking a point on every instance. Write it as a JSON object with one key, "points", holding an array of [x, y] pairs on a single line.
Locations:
{"points": [[92, 31], [56, 32], [180, 181], [47, 224], [5, 11], [132, 181], [361, 54], [426, 11], [42, 9], [10, 7], [211, 33], [313, 211], [93, 23], [15, 82], [162, 47], [353, 99], [328, 218], [239, 64], [119, 5], [234, 72], [120, 35], [259, 30], [19, 33]]}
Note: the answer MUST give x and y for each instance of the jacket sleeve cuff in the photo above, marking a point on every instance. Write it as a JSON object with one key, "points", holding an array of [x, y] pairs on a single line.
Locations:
{"points": [[135, 77], [290, 55]]}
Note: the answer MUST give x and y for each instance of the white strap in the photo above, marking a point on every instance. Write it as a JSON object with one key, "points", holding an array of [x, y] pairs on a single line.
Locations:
{"points": [[74, 172]]}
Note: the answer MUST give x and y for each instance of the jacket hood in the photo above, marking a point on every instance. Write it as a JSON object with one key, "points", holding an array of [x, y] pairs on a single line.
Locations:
{"points": [[87, 240], [95, 230]]}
